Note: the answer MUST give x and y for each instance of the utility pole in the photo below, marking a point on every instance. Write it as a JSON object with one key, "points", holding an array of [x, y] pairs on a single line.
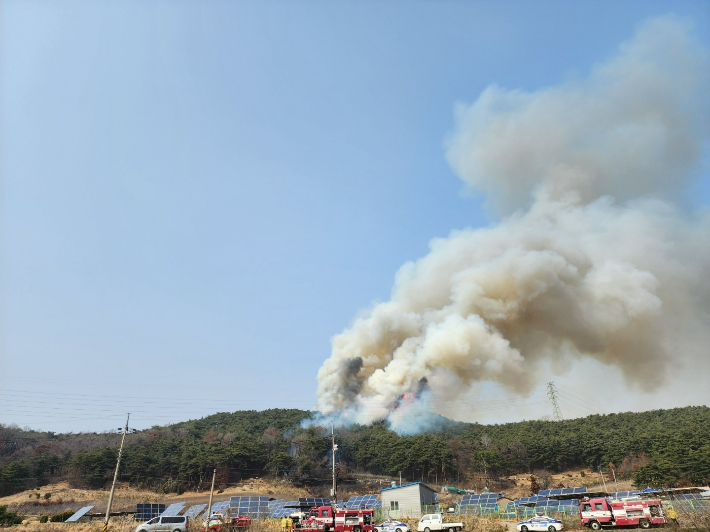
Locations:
{"points": [[334, 491], [554, 399], [400, 478], [115, 475], [209, 506]]}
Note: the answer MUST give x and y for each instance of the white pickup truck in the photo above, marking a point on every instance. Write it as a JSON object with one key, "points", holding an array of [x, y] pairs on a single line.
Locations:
{"points": [[432, 522]]}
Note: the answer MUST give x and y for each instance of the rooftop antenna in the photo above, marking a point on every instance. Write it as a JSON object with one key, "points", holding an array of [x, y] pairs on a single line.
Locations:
{"points": [[554, 398]]}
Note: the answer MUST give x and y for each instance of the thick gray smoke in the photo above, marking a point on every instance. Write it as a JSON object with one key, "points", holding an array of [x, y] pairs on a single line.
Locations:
{"points": [[593, 257]]}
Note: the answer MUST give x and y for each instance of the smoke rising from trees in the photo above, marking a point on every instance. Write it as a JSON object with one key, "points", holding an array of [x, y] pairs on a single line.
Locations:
{"points": [[594, 255]]}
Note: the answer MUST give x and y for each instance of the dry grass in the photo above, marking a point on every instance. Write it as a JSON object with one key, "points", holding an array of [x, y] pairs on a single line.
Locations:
{"points": [[693, 520]]}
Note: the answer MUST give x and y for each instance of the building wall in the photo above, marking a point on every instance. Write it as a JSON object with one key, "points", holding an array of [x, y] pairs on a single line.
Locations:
{"points": [[409, 501], [427, 496]]}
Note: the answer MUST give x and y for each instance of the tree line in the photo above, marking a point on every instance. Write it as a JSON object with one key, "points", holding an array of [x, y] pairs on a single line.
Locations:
{"points": [[661, 448]]}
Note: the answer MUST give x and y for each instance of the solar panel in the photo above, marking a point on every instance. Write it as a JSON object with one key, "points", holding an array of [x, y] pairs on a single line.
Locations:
{"points": [[361, 501], [219, 507], [194, 511], [313, 501], [78, 515], [254, 506], [567, 491], [147, 511], [173, 509], [580, 490], [544, 492]]}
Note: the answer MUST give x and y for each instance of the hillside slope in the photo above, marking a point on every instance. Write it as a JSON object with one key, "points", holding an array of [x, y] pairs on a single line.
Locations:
{"points": [[659, 448]]}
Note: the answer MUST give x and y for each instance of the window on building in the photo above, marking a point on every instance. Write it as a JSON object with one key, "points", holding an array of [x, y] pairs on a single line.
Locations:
{"points": [[394, 505]]}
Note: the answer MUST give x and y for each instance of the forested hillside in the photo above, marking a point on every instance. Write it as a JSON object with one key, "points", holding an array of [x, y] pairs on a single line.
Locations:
{"points": [[657, 448]]}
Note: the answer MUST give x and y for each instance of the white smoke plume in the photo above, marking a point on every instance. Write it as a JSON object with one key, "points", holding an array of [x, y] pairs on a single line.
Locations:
{"points": [[594, 256]]}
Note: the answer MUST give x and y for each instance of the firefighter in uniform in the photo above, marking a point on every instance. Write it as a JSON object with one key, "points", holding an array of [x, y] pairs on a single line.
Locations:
{"points": [[289, 524], [672, 515]]}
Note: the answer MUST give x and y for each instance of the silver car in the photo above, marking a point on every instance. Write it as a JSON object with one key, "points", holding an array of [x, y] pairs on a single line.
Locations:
{"points": [[166, 523]]}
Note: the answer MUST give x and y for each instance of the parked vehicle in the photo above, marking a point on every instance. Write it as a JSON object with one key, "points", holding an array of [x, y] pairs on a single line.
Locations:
{"points": [[602, 512], [431, 522], [328, 519], [218, 523], [540, 522], [392, 525], [166, 523]]}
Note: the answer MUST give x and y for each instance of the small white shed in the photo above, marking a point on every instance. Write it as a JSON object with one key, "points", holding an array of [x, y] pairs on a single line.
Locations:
{"points": [[407, 500]]}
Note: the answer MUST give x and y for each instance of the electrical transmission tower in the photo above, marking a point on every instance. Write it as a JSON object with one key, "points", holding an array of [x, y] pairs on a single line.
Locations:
{"points": [[552, 394]]}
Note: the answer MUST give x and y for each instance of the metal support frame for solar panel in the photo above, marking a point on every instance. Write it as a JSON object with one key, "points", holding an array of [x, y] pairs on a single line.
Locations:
{"points": [[193, 511], [78, 515], [173, 509]]}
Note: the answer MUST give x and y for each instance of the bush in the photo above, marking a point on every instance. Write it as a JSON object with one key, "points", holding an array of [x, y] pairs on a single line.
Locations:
{"points": [[47, 496], [61, 517], [9, 518], [44, 519]]}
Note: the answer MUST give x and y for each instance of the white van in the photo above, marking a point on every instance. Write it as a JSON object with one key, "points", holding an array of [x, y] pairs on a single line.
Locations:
{"points": [[167, 523]]}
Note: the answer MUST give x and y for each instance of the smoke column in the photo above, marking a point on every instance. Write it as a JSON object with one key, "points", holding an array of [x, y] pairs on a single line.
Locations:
{"points": [[593, 257]]}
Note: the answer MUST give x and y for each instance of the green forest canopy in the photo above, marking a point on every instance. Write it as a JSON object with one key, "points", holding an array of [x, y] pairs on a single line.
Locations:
{"points": [[661, 448]]}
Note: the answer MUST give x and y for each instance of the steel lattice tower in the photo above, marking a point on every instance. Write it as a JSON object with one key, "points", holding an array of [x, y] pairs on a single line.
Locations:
{"points": [[552, 394]]}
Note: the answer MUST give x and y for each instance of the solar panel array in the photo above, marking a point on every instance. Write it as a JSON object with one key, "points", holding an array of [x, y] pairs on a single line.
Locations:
{"points": [[254, 507], [78, 515], [479, 504], [624, 494], [482, 498], [312, 501], [194, 511], [378, 504], [688, 497], [173, 509], [147, 511], [562, 491], [219, 507], [361, 501], [283, 509]]}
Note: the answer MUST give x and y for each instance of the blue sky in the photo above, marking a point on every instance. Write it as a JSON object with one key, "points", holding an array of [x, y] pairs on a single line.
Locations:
{"points": [[197, 196]]}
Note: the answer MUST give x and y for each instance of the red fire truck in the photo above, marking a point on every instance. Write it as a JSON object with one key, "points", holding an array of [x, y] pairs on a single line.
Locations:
{"points": [[602, 512], [327, 519]]}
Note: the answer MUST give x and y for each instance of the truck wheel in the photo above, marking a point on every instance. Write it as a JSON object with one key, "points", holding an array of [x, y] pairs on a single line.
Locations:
{"points": [[594, 525], [426, 530], [523, 529], [356, 529], [398, 530], [551, 528], [644, 523]]}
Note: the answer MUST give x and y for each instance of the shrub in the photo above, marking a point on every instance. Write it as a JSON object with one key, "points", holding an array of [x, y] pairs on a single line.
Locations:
{"points": [[61, 517], [9, 518], [47, 496], [44, 519]]}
